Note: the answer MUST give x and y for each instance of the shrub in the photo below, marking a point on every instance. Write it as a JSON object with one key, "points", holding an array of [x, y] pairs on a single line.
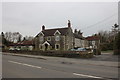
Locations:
{"points": [[106, 46], [69, 54]]}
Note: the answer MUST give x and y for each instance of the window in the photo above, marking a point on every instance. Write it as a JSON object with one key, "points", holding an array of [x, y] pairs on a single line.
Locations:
{"points": [[49, 38], [41, 38], [93, 43], [57, 46], [57, 38]]}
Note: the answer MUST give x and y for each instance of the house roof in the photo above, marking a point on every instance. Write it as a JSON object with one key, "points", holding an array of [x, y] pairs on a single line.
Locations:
{"points": [[92, 38], [78, 36], [50, 32], [23, 43]]}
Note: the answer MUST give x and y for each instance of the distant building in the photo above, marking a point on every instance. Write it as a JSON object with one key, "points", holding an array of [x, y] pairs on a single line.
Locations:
{"points": [[93, 41], [23, 45], [79, 40], [55, 39]]}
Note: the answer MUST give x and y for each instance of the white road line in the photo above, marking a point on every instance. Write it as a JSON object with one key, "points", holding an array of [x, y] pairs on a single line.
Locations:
{"points": [[41, 67], [86, 75], [25, 64]]}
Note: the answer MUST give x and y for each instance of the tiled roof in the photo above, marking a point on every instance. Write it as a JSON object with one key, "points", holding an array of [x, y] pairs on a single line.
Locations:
{"points": [[78, 36], [23, 43], [92, 38], [50, 32]]}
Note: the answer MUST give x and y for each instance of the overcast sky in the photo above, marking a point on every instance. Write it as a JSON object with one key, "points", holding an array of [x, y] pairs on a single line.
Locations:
{"points": [[28, 17]]}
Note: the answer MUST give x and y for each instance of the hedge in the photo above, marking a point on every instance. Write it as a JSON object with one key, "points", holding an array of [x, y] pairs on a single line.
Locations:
{"points": [[69, 54]]}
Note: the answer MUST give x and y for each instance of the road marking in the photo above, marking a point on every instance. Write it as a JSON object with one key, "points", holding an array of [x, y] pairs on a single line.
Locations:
{"points": [[41, 67], [86, 75], [25, 64]]}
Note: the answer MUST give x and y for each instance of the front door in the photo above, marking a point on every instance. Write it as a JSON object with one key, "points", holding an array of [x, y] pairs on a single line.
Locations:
{"points": [[46, 46]]}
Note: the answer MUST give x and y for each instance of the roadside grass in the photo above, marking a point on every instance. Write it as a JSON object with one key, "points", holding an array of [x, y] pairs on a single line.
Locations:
{"points": [[108, 51]]}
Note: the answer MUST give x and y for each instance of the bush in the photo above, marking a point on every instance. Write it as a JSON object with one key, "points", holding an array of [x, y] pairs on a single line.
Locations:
{"points": [[69, 54], [106, 46]]}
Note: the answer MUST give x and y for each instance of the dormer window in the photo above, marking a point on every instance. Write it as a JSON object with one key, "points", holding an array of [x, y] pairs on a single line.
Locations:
{"points": [[57, 32], [57, 38]]}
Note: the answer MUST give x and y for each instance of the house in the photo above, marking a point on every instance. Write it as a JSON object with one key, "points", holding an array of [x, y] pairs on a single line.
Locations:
{"points": [[93, 41], [78, 39], [23, 45], [55, 39]]}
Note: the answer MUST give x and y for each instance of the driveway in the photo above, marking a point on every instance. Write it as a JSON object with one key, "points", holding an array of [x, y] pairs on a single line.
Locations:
{"points": [[106, 57]]}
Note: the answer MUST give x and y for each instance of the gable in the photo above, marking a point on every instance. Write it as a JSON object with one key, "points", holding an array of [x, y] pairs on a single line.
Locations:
{"points": [[57, 32], [41, 33]]}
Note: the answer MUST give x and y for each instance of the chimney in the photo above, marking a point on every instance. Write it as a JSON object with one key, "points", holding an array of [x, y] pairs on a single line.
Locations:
{"points": [[43, 28], [69, 24]]}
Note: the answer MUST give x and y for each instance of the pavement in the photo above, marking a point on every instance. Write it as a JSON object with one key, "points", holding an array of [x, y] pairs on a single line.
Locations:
{"points": [[30, 66]]}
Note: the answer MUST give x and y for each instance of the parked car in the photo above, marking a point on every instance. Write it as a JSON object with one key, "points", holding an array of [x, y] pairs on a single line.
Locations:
{"points": [[72, 49], [12, 49], [81, 49], [17, 49]]}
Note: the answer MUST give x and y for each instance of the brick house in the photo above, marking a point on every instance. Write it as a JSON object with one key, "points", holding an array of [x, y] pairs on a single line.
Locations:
{"points": [[55, 39]]}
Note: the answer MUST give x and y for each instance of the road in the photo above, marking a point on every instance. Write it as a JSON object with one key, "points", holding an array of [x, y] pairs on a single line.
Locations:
{"points": [[23, 67]]}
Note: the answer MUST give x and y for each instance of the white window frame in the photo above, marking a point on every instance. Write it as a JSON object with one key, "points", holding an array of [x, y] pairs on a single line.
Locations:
{"points": [[56, 47], [49, 38], [56, 38]]}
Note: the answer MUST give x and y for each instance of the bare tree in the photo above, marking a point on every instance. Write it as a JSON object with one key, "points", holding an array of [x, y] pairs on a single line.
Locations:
{"points": [[29, 38], [13, 36]]}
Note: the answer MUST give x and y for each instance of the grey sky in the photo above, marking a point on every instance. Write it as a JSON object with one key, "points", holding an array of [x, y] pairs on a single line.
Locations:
{"points": [[28, 17]]}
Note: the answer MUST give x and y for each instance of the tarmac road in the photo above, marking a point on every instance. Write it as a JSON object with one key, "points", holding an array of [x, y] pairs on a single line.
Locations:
{"points": [[24, 67]]}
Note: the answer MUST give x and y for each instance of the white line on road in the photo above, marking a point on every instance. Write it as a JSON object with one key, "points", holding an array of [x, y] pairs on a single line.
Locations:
{"points": [[25, 64], [41, 67], [86, 75]]}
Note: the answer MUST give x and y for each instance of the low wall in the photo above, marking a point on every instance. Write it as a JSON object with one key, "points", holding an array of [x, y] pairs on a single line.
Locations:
{"points": [[70, 54]]}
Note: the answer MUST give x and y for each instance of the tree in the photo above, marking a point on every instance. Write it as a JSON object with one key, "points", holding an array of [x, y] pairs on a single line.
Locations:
{"points": [[13, 36], [116, 44], [104, 35], [4, 41], [29, 38], [115, 30]]}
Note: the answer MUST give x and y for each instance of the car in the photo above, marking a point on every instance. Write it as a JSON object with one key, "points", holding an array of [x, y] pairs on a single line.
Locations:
{"points": [[81, 49], [17, 49], [72, 49], [12, 49]]}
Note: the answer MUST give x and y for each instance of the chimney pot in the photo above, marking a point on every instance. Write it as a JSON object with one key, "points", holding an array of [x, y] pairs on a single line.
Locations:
{"points": [[43, 28], [69, 24]]}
